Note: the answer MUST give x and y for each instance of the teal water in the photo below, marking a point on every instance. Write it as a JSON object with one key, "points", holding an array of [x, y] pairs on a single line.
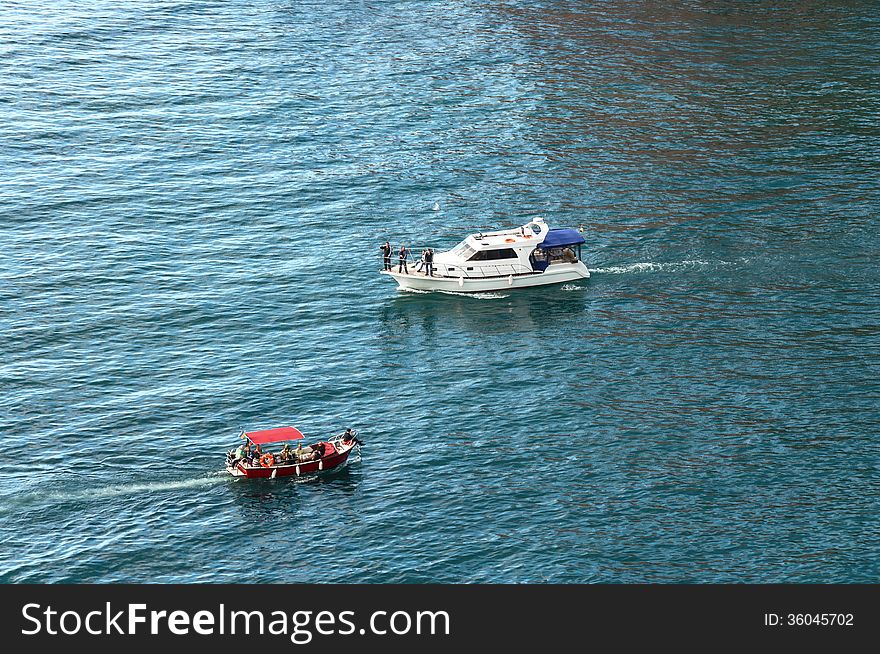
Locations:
{"points": [[191, 203]]}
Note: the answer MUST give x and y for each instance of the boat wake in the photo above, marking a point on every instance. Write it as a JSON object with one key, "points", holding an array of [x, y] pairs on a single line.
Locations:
{"points": [[103, 493], [671, 266], [417, 291], [485, 295]]}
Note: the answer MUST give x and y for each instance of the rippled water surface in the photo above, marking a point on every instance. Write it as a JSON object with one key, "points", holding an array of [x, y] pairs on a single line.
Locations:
{"points": [[191, 203]]}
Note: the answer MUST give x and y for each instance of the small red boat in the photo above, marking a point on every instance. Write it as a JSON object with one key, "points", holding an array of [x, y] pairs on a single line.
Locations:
{"points": [[253, 460]]}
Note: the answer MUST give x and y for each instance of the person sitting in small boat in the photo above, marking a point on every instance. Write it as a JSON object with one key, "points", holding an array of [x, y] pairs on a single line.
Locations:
{"points": [[298, 455], [286, 454], [349, 437], [255, 455], [318, 450]]}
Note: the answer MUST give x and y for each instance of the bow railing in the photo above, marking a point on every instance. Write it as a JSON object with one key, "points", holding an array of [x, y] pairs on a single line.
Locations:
{"points": [[467, 270]]}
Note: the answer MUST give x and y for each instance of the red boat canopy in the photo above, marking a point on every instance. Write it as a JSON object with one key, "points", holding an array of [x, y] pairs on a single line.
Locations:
{"points": [[274, 435]]}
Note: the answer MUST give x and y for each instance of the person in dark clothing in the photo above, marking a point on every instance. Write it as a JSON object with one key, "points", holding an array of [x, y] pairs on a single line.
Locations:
{"points": [[429, 262], [402, 255], [386, 256], [349, 437], [318, 451]]}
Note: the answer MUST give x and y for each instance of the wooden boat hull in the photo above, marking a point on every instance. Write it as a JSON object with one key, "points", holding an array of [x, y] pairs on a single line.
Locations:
{"points": [[291, 469]]}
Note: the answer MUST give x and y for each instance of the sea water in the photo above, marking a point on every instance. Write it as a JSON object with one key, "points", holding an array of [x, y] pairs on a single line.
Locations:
{"points": [[192, 200]]}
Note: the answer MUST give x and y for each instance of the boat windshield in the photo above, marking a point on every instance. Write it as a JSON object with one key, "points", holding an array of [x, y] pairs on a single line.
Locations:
{"points": [[463, 250]]}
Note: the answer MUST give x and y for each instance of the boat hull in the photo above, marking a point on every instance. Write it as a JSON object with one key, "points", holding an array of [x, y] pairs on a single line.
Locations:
{"points": [[555, 274], [290, 470]]}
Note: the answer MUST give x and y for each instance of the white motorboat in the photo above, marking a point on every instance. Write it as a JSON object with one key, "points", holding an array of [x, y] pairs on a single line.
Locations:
{"points": [[531, 255]]}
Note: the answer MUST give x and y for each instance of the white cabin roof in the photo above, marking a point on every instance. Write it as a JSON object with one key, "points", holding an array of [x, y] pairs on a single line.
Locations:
{"points": [[524, 236], [520, 239]]}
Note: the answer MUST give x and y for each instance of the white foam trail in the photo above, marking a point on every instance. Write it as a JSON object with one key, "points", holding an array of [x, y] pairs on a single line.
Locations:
{"points": [[482, 295], [413, 290], [671, 266], [571, 287], [119, 491]]}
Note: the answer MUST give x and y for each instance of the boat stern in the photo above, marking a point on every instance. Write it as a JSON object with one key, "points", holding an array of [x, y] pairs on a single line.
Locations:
{"points": [[235, 470]]}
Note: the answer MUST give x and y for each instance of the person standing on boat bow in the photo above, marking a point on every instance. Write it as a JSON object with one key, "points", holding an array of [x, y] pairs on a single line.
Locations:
{"points": [[386, 256], [402, 256], [429, 262]]}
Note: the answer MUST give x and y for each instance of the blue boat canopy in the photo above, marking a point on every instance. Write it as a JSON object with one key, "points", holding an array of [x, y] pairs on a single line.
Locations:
{"points": [[560, 238]]}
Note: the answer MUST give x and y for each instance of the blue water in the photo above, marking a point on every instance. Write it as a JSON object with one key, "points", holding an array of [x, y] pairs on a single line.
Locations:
{"points": [[191, 203]]}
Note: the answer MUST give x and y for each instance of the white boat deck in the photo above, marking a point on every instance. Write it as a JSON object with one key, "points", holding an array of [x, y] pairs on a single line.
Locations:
{"points": [[498, 260]]}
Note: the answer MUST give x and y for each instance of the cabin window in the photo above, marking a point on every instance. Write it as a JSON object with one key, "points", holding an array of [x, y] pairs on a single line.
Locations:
{"points": [[493, 255], [463, 250], [560, 255]]}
